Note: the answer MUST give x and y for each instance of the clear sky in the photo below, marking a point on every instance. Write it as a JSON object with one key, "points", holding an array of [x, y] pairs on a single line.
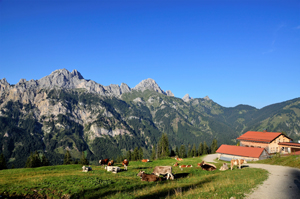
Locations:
{"points": [[236, 52]]}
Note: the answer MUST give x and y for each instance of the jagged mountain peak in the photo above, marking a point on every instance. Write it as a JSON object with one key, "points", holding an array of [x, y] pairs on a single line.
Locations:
{"points": [[169, 93], [61, 78], [148, 84], [206, 98], [77, 74], [64, 72], [187, 98]]}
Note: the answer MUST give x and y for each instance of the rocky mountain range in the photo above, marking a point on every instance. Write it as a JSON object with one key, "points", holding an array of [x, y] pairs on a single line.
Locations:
{"points": [[63, 111]]}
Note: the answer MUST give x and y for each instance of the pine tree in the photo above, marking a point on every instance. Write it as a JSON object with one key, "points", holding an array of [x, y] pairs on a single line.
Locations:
{"points": [[135, 154], [182, 151], [2, 162], [163, 146], [83, 159], [129, 155], [200, 149], [205, 148], [214, 146], [194, 151], [177, 151], [165, 142], [141, 153], [44, 161], [29, 161], [189, 153], [68, 158], [33, 160], [153, 153], [36, 159]]}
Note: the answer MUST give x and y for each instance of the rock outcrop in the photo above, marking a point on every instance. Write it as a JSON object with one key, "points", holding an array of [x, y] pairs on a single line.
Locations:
{"points": [[149, 84], [169, 93], [187, 98]]}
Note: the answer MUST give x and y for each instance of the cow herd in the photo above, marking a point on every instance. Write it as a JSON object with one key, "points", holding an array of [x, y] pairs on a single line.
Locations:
{"points": [[163, 170]]}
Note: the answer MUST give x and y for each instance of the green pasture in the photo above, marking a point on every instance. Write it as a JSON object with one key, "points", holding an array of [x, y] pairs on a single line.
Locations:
{"points": [[290, 161], [68, 181]]}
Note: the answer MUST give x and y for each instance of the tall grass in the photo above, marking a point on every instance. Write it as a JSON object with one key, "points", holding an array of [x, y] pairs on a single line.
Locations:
{"points": [[69, 181]]}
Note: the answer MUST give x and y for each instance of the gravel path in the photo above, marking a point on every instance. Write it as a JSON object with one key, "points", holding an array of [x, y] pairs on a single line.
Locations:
{"points": [[282, 183]]}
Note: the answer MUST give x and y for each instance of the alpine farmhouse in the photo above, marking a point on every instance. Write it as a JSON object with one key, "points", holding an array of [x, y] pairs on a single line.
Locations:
{"points": [[256, 145]]}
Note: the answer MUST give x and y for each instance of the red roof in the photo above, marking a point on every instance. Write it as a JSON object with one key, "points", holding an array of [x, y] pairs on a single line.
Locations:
{"points": [[289, 144], [240, 150], [259, 136]]}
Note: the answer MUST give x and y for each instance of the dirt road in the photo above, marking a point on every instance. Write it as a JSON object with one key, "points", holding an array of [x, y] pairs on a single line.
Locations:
{"points": [[282, 183]]}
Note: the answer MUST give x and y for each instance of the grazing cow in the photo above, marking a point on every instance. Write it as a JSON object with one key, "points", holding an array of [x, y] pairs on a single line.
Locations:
{"points": [[110, 163], [237, 162], [176, 164], [178, 159], [148, 177], [164, 170], [125, 164], [184, 166], [145, 160], [207, 166], [103, 161], [224, 167], [113, 169], [86, 169]]}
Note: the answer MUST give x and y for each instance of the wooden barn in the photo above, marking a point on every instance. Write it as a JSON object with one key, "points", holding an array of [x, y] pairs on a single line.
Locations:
{"points": [[228, 152]]}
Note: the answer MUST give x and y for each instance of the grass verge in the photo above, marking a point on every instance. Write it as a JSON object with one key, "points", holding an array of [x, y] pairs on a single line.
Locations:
{"points": [[291, 161]]}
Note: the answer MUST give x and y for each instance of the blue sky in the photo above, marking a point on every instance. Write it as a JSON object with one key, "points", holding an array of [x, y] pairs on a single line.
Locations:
{"points": [[236, 52]]}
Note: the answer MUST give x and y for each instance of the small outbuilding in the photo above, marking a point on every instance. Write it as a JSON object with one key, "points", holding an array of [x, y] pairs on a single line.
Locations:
{"points": [[229, 152]]}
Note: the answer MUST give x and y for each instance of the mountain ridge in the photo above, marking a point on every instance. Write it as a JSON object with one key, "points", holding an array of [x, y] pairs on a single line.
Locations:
{"points": [[63, 111]]}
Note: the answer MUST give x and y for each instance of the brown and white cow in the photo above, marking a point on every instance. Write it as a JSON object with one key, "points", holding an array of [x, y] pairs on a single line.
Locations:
{"points": [[125, 164], [148, 177], [145, 160], [176, 164], [110, 163], [103, 161], [207, 166], [184, 166], [164, 170], [237, 162], [178, 159]]}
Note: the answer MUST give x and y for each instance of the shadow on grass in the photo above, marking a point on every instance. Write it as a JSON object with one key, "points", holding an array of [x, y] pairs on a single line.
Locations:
{"points": [[243, 166], [142, 168], [180, 175], [178, 190], [100, 192]]}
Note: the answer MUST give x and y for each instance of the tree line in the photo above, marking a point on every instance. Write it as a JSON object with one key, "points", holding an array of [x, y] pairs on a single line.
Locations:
{"points": [[160, 151]]}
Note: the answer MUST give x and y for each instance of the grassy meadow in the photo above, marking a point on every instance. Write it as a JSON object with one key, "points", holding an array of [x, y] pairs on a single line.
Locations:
{"points": [[291, 160], [68, 181]]}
